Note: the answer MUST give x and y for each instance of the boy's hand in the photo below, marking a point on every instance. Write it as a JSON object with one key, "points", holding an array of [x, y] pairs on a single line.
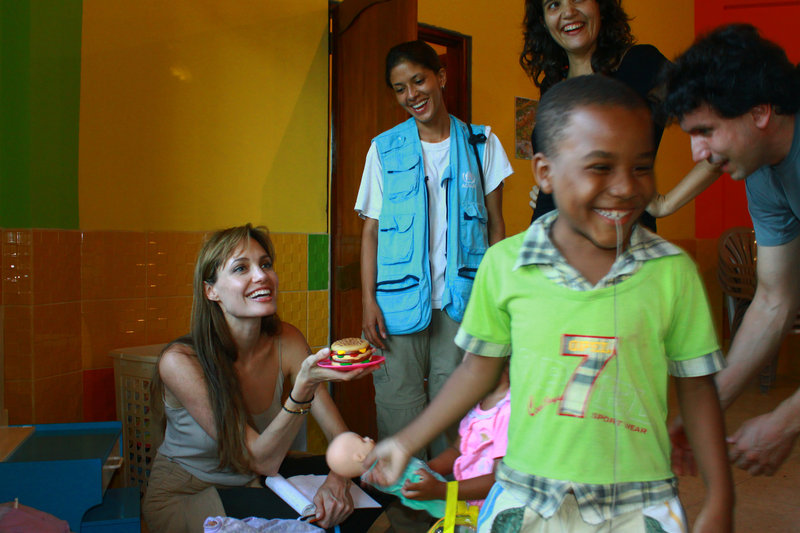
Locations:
{"points": [[762, 444], [392, 459], [427, 488], [683, 463]]}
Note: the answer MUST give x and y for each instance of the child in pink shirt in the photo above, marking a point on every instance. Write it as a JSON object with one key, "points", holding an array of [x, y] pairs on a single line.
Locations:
{"points": [[481, 443]]}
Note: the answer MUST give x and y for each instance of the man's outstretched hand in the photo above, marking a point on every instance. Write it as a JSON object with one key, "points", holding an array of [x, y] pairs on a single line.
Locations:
{"points": [[762, 444]]}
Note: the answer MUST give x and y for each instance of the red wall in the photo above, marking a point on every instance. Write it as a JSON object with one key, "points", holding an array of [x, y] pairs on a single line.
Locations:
{"points": [[724, 205]]}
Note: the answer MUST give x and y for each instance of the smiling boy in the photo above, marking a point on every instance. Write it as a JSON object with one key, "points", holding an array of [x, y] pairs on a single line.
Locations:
{"points": [[595, 313]]}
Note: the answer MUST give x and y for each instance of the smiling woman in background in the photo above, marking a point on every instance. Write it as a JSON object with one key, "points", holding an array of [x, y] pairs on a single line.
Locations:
{"points": [[568, 38], [431, 200], [220, 389]]}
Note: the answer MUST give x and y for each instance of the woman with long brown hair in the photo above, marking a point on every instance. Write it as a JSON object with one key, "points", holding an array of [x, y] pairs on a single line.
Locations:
{"points": [[221, 388]]}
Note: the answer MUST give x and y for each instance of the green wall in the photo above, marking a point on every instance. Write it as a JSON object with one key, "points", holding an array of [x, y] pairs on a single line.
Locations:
{"points": [[40, 71]]}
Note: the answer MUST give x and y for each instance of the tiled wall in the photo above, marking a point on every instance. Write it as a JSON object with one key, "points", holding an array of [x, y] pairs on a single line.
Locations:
{"points": [[42, 325], [68, 297]]}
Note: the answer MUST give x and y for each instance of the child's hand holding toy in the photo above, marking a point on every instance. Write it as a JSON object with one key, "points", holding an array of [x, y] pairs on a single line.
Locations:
{"points": [[427, 488]]}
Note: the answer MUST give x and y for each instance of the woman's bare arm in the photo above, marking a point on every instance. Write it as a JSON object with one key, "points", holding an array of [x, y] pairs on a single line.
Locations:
{"points": [[696, 181]]}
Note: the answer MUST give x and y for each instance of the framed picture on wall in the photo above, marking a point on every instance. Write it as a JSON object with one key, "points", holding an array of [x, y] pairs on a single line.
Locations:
{"points": [[525, 120]]}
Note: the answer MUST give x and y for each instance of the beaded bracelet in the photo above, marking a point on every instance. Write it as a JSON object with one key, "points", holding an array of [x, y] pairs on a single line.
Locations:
{"points": [[300, 403], [304, 411]]}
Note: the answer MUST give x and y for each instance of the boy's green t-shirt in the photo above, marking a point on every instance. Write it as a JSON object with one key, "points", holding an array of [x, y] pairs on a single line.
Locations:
{"points": [[589, 369]]}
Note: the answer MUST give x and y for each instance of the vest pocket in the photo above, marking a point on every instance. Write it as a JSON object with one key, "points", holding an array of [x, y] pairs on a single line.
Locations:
{"points": [[402, 176], [459, 295], [399, 301], [474, 231], [396, 240]]}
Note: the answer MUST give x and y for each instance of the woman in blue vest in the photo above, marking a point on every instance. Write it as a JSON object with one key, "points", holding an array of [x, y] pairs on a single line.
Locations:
{"points": [[431, 200]]}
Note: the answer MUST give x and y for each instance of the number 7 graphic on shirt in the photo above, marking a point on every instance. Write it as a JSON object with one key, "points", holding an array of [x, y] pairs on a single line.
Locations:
{"points": [[596, 353]]}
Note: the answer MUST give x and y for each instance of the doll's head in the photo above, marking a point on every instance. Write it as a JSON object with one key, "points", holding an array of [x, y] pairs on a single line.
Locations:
{"points": [[347, 452]]}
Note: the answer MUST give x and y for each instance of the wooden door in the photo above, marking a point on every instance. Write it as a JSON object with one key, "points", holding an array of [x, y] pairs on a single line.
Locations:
{"points": [[362, 107], [454, 52]]}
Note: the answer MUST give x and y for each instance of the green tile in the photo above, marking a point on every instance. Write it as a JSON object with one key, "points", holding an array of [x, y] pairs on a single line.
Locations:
{"points": [[40, 72], [15, 141], [318, 262]]}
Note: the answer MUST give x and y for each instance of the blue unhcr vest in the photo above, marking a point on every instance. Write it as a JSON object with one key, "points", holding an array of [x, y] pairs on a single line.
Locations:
{"points": [[403, 284]]}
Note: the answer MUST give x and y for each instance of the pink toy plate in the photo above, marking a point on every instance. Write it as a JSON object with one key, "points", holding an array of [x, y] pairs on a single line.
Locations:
{"points": [[373, 360]]}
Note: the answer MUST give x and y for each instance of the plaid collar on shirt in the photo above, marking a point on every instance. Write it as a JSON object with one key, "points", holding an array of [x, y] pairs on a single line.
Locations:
{"points": [[597, 503], [538, 249]]}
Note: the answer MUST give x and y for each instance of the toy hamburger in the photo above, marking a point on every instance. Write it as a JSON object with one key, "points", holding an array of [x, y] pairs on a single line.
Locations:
{"points": [[350, 351]]}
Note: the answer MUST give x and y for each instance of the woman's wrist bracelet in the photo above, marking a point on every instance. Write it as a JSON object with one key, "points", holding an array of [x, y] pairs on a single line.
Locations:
{"points": [[300, 403], [301, 411]]}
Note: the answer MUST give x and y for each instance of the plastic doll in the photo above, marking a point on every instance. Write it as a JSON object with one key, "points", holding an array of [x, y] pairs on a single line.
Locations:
{"points": [[345, 457]]}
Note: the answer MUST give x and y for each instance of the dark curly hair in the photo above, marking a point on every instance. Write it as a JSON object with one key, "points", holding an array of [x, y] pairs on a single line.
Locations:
{"points": [[546, 62], [732, 69]]}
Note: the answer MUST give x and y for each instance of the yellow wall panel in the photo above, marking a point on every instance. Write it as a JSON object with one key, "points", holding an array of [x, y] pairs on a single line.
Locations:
{"points": [[496, 31], [198, 114], [669, 26]]}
